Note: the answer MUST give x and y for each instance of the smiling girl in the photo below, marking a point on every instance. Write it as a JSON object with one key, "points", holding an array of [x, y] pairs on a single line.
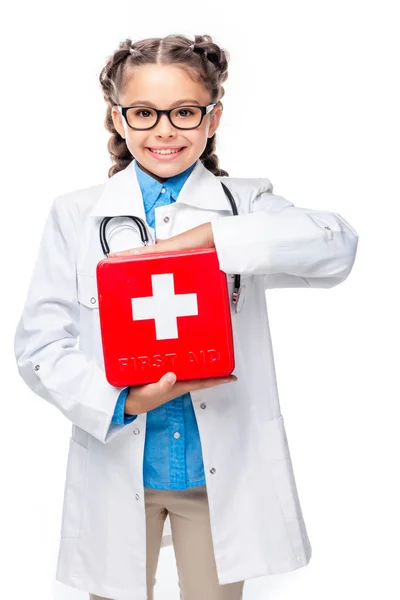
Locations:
{"points": [[209, 456]]}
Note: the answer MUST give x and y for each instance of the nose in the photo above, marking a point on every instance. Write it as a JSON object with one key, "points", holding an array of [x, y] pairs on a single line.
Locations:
{"points": [[164, 126]]}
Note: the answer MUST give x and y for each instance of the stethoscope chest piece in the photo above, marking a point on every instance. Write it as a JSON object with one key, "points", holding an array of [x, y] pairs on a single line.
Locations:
{"points": [[239, 297]]}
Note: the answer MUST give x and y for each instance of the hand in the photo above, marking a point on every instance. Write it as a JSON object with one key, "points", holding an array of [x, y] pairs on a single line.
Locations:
{"points": [[142, 398], [198, 237]]}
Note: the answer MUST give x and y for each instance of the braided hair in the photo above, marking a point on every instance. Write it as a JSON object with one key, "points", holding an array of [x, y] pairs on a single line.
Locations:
{"points": [[204, 60]]}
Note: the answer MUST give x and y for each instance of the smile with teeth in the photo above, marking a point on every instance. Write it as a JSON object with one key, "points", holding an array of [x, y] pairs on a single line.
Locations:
{"points": [[166, 151]]}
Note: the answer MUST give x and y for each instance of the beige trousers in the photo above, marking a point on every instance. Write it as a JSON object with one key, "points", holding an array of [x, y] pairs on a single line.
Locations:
{"points": [[191, 537]]}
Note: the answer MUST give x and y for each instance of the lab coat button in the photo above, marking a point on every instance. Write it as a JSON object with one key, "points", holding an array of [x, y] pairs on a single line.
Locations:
{"points": [[213, 470], [203, 405], [137, 496], [327, 227], [136, 431], [37, 367], [93, 300], [166, 219], [177, 435]]}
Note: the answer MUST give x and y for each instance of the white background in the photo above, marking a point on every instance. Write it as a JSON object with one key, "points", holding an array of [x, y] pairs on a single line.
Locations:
{"points": [[312, 103]]}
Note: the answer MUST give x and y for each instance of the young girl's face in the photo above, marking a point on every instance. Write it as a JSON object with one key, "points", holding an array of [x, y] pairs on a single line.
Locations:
{"points": [[164, 87]]}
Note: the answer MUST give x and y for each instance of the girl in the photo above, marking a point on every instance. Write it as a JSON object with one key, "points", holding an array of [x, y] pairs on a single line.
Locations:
{"points": [[210, 455]]}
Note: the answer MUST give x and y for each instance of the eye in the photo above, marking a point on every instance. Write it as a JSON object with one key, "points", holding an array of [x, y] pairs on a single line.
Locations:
{"points": [[184, 110], [149, 113]]}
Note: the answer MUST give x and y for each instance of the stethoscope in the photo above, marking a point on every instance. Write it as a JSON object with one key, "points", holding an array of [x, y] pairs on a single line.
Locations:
{"points": [[238, 293]]}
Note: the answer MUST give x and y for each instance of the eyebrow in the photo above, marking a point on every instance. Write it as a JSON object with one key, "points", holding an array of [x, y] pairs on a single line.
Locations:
{"points": [[176, 103]]}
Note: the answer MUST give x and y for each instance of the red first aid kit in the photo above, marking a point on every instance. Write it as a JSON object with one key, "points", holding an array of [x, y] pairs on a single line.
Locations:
{"points": [[165, 311]]}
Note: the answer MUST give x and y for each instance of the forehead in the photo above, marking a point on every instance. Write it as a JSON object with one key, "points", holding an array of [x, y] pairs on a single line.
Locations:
{"points": [[161, 84]]}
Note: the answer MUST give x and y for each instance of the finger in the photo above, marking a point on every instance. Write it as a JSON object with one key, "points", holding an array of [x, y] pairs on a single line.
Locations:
{"points": [[159, 246], [166, 383], [213, 381], [124, 252], [141, 250], [198, 384]]}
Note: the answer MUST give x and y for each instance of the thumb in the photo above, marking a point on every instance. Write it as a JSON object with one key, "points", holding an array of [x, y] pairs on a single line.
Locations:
{"points": [[167, 382]]}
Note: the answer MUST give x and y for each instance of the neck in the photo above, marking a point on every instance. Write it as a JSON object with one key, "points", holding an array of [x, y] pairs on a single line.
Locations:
{"points": [[157, 177]]}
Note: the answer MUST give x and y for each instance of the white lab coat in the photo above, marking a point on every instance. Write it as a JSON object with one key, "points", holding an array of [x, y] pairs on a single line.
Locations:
{"points": [[256, 518]]}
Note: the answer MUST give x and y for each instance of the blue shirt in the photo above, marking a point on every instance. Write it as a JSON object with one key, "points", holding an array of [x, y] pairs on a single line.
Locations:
{"points": [[172, 458]]}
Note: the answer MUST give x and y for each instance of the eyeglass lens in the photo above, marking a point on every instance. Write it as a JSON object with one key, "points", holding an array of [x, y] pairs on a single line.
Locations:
{"points": [[182, 116]]}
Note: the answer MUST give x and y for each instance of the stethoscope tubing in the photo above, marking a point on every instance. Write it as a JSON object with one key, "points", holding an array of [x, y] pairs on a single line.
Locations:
{"points": [[145, 237]]}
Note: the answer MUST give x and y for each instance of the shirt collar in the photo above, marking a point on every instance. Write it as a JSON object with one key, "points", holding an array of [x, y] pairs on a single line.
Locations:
{"points": [[121, 194], [151, 188]]}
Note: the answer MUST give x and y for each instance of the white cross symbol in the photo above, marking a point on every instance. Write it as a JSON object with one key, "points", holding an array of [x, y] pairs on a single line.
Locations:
{"points": [[164, 306]]}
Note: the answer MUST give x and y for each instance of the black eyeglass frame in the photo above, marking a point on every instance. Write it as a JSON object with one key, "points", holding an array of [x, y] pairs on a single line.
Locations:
{"points": [[204, 111]]}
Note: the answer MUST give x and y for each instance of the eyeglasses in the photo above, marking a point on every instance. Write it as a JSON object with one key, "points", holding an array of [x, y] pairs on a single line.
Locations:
{"points": [[143, 117]]}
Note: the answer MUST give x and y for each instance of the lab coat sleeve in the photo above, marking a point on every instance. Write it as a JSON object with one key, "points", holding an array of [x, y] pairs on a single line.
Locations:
{"points": [[287, 245], [46, 335]]}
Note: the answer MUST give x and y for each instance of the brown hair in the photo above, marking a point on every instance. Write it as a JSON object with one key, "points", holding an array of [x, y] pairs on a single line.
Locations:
{"points": [[203, 59]]}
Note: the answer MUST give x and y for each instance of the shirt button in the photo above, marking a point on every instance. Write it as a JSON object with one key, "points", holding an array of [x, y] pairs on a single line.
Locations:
{"points": [[163, 190], [166, 219], [136, 431], [177, 435], [202, 405]]}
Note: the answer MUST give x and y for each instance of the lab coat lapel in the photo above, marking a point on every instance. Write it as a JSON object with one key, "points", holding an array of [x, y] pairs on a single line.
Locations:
{"points": [[122, 194], [203, 189]]}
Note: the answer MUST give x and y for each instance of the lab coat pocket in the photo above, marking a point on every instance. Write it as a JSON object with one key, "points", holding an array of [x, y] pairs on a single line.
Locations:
{"points": [[87, 290], [276, 459], [74, 490], [90, 332]]}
